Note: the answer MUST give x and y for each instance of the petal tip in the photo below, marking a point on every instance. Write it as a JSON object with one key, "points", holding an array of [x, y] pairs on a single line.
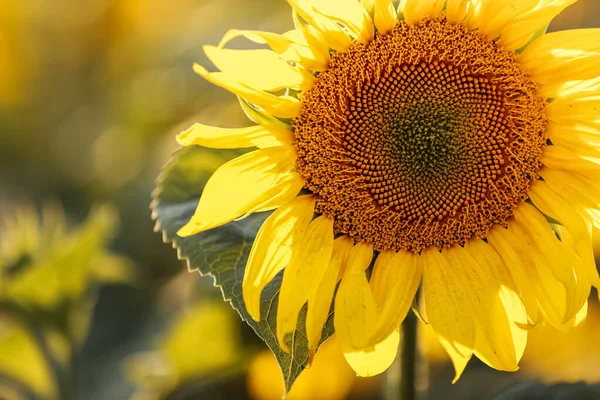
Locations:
{"points": [[188, 229]]}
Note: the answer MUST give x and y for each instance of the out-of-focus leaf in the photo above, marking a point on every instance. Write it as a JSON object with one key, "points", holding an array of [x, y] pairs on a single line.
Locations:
{"points": [[112, 268], [22, 359], [222, 252], [61, 270], [201, 345], [538, 391], [207, 328], [48, 272]]}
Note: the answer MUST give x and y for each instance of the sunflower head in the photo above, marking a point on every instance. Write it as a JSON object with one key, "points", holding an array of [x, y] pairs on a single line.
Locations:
{"points": [[449, 144]]}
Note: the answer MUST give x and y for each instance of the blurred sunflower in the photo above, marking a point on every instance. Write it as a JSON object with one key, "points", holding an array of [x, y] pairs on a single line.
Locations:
{"points": [[449, 142]]}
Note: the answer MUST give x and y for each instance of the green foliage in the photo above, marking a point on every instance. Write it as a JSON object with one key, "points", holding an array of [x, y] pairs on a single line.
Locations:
{"points": [[48, 277], [206, 327], [222, 252]]}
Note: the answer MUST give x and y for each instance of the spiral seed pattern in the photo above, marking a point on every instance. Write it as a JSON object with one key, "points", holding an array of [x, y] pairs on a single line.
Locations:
{"points": [[427, 136]]}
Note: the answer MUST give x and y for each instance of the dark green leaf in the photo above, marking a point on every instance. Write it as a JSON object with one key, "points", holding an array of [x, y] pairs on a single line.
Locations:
{"points": [[222, 252]]}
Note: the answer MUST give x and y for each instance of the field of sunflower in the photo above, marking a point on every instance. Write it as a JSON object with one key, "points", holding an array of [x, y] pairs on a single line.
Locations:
{"points": [[336, 168]]}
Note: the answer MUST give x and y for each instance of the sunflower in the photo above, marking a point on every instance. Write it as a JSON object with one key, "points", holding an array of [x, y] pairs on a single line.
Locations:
{"points": [[449, 144]]}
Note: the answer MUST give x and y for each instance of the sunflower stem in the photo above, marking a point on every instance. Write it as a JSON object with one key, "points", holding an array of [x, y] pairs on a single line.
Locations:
{"points": [[401, 377], [408, 356]]}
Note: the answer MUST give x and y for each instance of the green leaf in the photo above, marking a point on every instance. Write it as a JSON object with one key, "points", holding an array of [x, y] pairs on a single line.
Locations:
{"points": [[222, 252]]}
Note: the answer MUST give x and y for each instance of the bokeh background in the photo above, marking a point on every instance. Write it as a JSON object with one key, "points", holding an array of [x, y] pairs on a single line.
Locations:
{"points": [[92, 304]]}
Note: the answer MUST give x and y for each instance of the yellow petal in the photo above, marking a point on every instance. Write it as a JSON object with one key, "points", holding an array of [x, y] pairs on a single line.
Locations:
{"points": [[303, 275], [233, 138], [283, 191], [376, 359], [459, 361], [520, 31], [563, 56], [276, 242], [355, 309], [561, 159], [574, 186], [416, 10], [587, 126], [474, 10], [571, 89], [556, 257], [383, 13], [285, 46], [278, 106], [520, 270], [394, 283], [238, 185], [333, 35], [496, 15], [280, 44], [319, 303], [529, 268], [580, 317], [260, 69], [585, 271], [573, 139], [592, 216], [552, 204], [349, 13], [447, 302], [310, 45], [483, 285], [510, 296], [574, 109], [369, 5], [456, 11]]}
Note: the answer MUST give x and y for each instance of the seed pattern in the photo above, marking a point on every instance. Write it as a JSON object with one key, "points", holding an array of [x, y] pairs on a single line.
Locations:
{"points": [[427, 136]]}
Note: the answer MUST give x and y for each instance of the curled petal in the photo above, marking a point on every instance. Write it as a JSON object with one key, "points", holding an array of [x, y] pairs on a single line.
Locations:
{"points": [[349, 13], [333, 35], [259, 69], [278, 106]]}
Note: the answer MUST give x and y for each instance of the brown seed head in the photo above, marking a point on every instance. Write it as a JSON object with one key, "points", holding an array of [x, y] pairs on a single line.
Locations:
{"points": [[427, 136]]}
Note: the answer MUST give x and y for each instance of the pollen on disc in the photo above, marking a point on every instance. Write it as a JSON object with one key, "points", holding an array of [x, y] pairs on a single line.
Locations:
{"points": [[427, 136]]}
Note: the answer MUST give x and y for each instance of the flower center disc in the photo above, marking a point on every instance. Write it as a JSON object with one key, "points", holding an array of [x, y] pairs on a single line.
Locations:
{"points": [[427, 136]]}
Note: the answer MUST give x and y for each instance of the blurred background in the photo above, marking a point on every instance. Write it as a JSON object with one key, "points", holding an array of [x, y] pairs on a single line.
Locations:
{"points": [[92, 304]]}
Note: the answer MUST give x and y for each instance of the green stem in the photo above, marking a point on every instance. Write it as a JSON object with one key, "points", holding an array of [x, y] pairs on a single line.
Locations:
{"points": [[400, 378], [408, 356]]}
